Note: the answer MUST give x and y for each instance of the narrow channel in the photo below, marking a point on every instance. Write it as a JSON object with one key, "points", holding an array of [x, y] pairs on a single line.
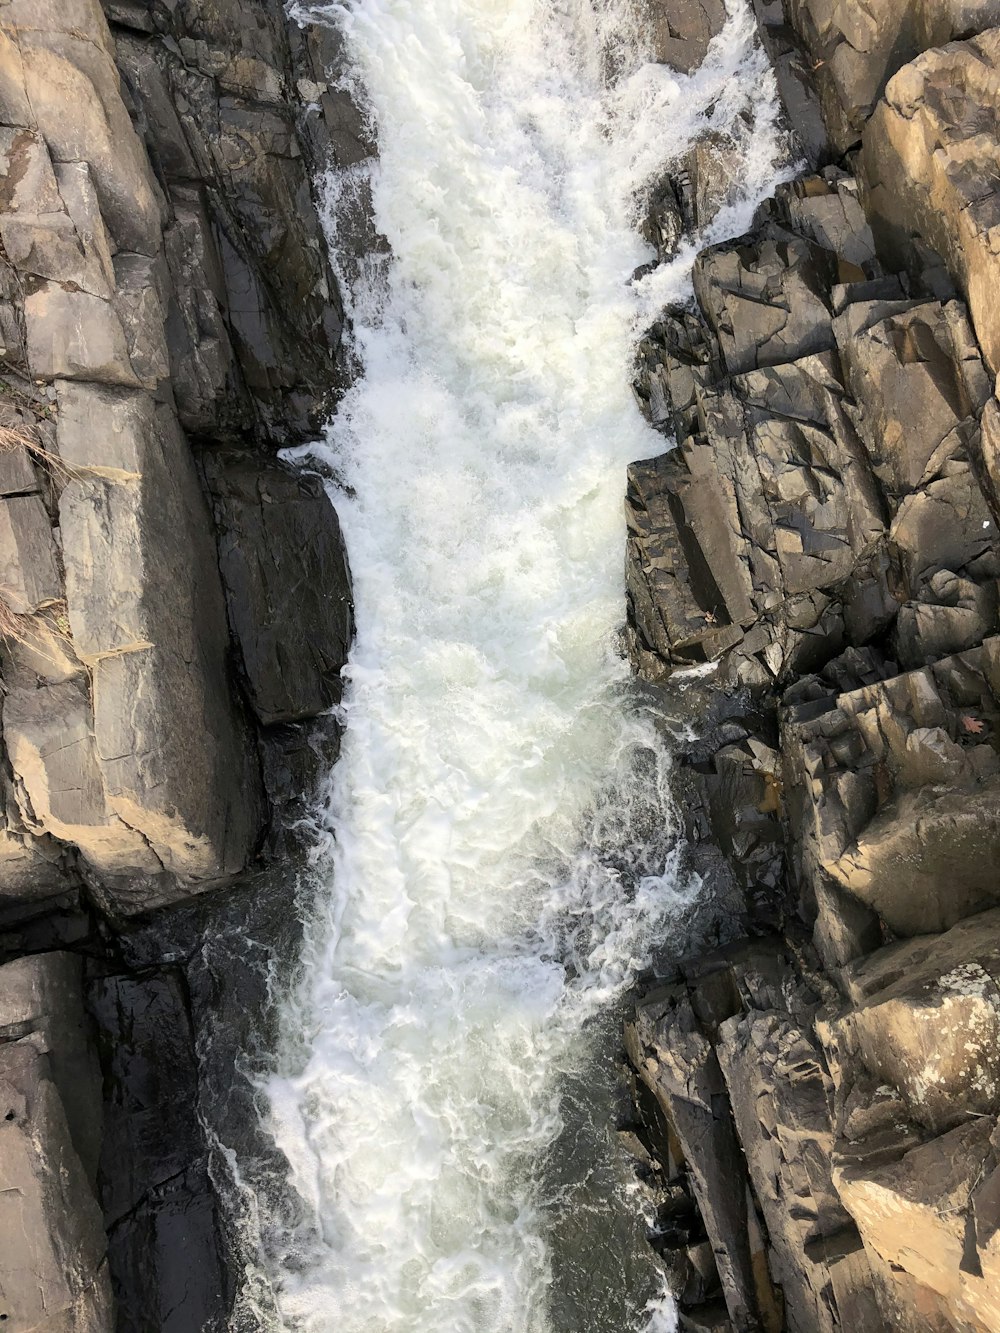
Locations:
{"points": [[495, 860]]}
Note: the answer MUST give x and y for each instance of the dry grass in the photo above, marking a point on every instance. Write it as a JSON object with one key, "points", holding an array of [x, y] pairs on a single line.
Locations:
{"points": [[29, 628], [13, 438]]}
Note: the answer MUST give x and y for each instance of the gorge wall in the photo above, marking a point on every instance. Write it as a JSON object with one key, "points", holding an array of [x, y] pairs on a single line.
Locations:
{"points": [[175, 602], [818, 1100]]}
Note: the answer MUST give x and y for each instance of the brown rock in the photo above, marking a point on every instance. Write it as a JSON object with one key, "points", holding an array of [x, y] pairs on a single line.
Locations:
{"points": [[926, 1019], [933, 1213], [902, 773], [855, 49], [929, 162]]}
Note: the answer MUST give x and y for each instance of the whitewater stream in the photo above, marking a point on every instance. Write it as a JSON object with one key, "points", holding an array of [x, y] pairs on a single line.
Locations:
{"points": [[494, 859]]}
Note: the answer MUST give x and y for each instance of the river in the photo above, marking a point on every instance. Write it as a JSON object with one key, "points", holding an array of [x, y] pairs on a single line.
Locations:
{"points": [[494, 853]]}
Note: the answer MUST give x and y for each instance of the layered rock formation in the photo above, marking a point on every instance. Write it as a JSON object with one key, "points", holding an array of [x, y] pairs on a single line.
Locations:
{"points": [[175, 603], [819, 1101]]}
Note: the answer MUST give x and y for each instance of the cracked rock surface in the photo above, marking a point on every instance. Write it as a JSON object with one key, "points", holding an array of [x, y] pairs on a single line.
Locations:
{"points": [[819, 1102]]}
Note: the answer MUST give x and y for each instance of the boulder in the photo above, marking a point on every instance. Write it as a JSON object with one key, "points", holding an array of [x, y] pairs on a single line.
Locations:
{"points": [[680, 30]]}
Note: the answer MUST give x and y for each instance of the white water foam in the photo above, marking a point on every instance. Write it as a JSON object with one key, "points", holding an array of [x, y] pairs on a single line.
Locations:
{"points": [[493, 850]]}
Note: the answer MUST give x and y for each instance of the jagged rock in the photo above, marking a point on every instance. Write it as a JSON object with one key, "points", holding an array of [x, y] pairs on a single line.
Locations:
{"points": [[680, 1068], [682, 29], [902, 773], [766, 299], [211, 396], [257, 308], [855, 49], [53, 1264], [928, 164], [752, 522], [781, 1096], [663, 225], [287, 583]]}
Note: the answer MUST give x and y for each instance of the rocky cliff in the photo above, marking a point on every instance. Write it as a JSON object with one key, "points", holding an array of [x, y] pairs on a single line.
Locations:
{"points": [[175, 602], [818, 1099]]}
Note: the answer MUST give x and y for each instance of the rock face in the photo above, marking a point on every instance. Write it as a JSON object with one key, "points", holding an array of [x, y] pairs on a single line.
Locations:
{"points": [[287, 584], [54, 1269], [175, 603], [855, 49], [681, 29], [166, 283], [820, 1100]]}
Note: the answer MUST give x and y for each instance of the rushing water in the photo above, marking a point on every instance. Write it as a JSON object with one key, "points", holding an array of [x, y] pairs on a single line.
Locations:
{"points": [[494, 856]]}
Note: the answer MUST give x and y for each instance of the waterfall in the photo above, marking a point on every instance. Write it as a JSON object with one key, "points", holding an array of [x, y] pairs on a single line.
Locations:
{"points": [[494, 857]]}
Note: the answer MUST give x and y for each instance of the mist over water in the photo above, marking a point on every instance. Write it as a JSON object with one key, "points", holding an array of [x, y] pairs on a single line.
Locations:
{"points": [[493, 854]]}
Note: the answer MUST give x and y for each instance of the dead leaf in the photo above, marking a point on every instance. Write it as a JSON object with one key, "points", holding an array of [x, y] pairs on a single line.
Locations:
{"points": [[973, 726]]}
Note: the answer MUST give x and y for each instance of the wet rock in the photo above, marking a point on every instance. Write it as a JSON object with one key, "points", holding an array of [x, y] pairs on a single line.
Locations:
{"points": [[287, 583], [155, 1191], [682, 29]]}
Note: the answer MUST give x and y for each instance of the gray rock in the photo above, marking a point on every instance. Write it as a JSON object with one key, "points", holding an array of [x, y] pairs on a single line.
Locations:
{"points": [[29, 575], [682, 29], [679, 1066], [144, 603], [287, 583], [53, 1266]]}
